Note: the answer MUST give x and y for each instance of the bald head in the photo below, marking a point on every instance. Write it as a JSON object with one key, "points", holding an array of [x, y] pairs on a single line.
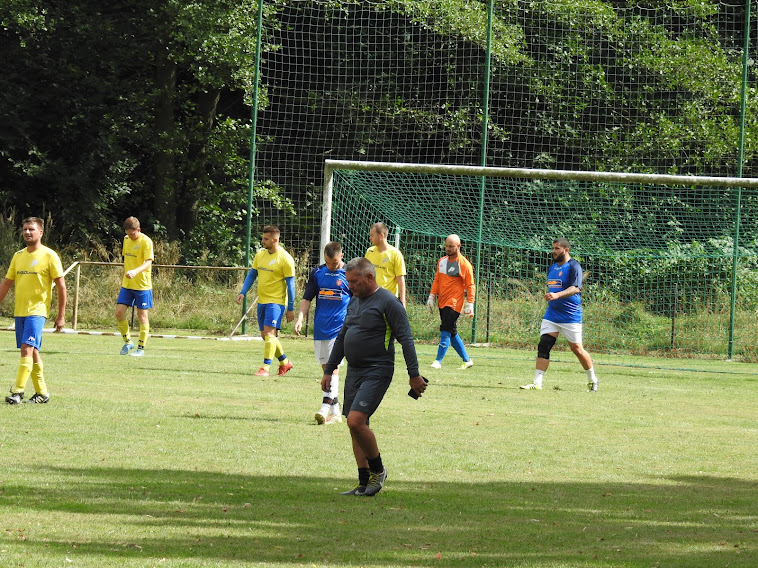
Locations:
{"points": [[452, 246]]}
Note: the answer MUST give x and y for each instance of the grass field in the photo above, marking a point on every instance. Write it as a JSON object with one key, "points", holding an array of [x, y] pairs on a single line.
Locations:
{"points": [[184, 459]]}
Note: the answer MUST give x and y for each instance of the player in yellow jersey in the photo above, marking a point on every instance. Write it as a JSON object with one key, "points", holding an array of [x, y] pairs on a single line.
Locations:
{"points": [[274, 268], [136, 286], [33, 270], [388, 261]]}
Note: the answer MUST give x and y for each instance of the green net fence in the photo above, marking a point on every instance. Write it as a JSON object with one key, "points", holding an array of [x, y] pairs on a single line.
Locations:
{"points": [[610, 86], [657, 257], [596, 86]]}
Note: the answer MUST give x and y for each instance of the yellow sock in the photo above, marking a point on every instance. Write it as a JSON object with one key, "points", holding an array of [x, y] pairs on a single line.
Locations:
{"points": [[279, 352], [38, 379], [24, 370], [269, 348], [144, 333], [123, 327]]}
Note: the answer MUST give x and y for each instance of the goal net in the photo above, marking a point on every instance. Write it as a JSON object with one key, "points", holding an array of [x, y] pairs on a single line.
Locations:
{"points": [[662, 275]]}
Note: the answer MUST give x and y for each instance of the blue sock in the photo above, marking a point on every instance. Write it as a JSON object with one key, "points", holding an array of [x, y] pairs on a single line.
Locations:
{"points": [[457, 344], [443, 346]]}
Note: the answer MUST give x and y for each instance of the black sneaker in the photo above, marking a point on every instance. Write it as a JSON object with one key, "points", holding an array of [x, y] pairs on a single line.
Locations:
{"points": [[14, 398], [375, 483], [357, 491], [38, 399]]}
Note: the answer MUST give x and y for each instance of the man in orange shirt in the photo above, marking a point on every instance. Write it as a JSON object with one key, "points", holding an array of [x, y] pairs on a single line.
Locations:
{"points": [[454, 290]]}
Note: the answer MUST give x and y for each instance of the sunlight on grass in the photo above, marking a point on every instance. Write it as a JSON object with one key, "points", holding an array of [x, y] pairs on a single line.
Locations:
{"points": [[184, 459]]}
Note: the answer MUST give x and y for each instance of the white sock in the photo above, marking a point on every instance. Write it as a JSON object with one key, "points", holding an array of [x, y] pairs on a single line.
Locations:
{"points": [[325, 407], [591, 375], [538, 377], [334, 388]]}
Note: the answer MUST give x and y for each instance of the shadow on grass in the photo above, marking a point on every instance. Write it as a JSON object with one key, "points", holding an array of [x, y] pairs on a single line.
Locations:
{"points": [[210, 518]]}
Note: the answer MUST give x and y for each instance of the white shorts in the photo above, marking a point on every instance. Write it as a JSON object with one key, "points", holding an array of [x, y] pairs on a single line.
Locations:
{"points": [[322, 348], [571, 331]]}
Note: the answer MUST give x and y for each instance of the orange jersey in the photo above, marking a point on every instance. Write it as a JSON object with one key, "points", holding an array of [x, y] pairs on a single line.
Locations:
{"points": [[454, 283]]}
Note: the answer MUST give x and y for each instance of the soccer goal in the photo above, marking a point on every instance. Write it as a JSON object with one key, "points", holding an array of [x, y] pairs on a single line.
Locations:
{"points": [[662, 274]]}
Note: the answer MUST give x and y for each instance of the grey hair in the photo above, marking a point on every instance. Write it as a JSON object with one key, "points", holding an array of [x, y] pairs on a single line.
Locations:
{"points": [[361, 265]]}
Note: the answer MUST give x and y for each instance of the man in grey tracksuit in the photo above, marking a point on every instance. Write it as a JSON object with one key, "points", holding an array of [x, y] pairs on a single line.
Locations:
{"points": [[375, 319]]}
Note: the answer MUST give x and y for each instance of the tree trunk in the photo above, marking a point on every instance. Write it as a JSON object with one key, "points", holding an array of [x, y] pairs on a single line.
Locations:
{"points": [[165, 201], [197, 158]]}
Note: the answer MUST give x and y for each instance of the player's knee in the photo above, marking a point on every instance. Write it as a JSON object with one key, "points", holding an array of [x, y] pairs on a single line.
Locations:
{"points": [[355, 422], [545, 345]]}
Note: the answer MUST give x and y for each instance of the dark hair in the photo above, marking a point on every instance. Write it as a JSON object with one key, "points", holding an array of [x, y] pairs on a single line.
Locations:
{"points": [[36, 220], [381, 228], [131, 223], [563, 241], [332, 249], [272, 229]]}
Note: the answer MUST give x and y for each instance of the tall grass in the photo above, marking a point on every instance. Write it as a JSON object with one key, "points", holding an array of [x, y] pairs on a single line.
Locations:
{"points": [[203, 301]]}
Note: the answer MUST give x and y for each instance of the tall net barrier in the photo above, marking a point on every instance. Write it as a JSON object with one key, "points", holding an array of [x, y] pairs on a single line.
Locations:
{"points": [[657, 251], [608, 86]]}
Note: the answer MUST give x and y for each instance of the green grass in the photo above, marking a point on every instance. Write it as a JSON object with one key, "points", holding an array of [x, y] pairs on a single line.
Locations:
{"points": [[184, 459]]}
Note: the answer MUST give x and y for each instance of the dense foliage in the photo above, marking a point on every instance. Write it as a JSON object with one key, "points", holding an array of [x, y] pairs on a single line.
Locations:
{"points": [[126, 107]]}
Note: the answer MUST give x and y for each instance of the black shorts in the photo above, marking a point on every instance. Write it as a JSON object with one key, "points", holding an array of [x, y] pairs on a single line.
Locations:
{"points": [[365, 389], [449, 318]]}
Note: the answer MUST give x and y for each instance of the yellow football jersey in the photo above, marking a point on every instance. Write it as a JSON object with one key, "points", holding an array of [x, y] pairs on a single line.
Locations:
{"points": [[33, 274], [135, 253], [389, 265], [272, 271]]}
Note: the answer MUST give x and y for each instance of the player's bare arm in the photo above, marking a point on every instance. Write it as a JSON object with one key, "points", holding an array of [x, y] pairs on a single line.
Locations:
{"points": [[570, 291], [5, 287], [141, 268], [60, 319], [401, 289], [305, 306]]}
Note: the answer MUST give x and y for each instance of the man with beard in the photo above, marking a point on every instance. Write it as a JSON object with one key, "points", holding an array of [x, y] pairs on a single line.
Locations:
{"points": [[274, 268], [563, 314], [33, 270]]}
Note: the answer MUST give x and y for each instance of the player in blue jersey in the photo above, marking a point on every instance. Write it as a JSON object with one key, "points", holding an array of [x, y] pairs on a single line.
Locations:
{"points": [[563, 314], [327, 283]]}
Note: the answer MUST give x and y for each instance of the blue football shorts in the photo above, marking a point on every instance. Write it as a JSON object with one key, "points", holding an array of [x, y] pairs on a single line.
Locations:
{"points": [[29, 331], [270, 315], [140, 299]]}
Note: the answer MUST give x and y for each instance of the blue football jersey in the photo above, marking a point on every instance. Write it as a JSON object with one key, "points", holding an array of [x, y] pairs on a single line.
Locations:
{"points": [[329, 288], [560, 277]]}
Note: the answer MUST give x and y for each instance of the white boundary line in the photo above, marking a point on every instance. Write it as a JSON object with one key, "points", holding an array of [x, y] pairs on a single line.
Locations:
{"points": [[158, 335]]}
